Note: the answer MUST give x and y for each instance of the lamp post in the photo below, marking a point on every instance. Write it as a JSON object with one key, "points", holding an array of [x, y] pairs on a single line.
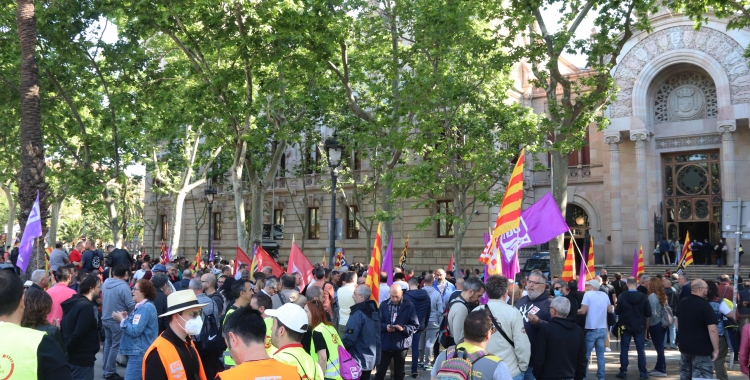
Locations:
{"points": [[333, 151], [210, 193]]}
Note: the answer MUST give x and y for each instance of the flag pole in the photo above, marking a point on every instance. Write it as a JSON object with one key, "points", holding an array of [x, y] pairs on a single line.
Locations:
{"points": [[580, 253]]}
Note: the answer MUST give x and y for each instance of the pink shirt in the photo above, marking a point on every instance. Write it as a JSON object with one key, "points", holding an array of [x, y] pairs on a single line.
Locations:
{"points": [[59, 293], [745, 349]]}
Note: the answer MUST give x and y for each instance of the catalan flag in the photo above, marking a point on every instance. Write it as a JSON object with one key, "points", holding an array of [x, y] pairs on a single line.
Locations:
{"points": [[687, 255], [638, 267], [569, 267], [373, 271], [402, 259], [197, 261], [591, 270]]}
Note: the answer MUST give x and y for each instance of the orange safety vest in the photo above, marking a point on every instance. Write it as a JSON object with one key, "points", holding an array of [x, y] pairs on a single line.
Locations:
{"points": [[280, 370], [170, 359]]}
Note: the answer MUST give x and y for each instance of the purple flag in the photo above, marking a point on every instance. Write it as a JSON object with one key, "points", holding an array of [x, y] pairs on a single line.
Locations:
{"points": [[32, 231], [634, 271], [211, 255], [485, 296], [539, 223], [387, 266]]}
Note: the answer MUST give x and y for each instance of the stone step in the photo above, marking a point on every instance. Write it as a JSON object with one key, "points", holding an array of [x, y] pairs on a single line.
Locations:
{"points": [[693, 271]]}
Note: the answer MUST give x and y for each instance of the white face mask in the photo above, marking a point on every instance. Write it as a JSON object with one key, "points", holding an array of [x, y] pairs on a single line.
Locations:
{"points": [[193, 325]]}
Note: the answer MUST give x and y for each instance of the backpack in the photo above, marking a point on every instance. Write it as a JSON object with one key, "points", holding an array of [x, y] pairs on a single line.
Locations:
{"points": [[446, 338], [210, 336], [458, 364], [667, 317], [96, 261], [348, 367]]}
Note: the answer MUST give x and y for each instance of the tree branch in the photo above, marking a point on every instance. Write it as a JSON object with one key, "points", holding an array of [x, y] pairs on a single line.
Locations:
{"points": [[76, 115]]}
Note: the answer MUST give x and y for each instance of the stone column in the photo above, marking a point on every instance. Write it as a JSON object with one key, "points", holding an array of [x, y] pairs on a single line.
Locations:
{"points": [[728, 183], [640, 137], [614, 197]]}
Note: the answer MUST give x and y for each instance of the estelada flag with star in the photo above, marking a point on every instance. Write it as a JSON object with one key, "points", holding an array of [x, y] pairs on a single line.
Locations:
{"points": [[687, 255]]}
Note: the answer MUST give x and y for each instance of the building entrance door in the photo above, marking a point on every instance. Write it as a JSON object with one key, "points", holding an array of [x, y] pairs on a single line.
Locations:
{"points": [[692, 195]]}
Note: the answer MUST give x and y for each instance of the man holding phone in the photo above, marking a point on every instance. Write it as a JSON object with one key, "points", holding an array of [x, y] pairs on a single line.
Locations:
{"points": [[398, 323]]}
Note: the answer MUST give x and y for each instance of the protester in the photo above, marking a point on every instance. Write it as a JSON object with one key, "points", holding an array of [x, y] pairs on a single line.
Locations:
{"points": [[559, 348], [37, 306], [443, 286], [262, 302], [80, 328], [535, 309], [745, 351], [244, 333], [33, 354], [632, 310], [140, 327], [429, 338], [116, 297], [398, 322], [478, 329], [289, 326], [92, 259], [657, 298], [345, 299], [362, 335], [670, 333], [242, 293], [560, 289], [160, 282], [58, 257], [75, 255], [289, 291], [323, 344], [173, 352], [509, 328], [60, 292], [594, 308], [421, 301], [184, 283], [472, 291], [697, 333], [211, 312], [39, 280], [721, 309]]}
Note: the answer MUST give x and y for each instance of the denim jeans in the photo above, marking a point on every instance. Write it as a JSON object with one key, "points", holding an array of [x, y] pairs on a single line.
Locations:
{"points": [[529, 374], [112, 337], [81, 373], [519, 376], [426, 341], [595, 339], [657, 337], [133, 370], [640, 340], [670, 335], [415, 349]]}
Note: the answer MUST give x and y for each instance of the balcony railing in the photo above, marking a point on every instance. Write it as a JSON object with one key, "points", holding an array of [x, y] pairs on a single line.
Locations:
{"points": [[582, 173]]}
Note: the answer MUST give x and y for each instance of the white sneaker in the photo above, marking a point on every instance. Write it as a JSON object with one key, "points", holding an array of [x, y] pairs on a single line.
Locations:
{"points": [[658, 374], [607, 349]]}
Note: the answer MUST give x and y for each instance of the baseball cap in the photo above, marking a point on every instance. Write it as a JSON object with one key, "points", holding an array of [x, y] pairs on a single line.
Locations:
{"points": [[159, 268], [595, 283], [292, 316]]}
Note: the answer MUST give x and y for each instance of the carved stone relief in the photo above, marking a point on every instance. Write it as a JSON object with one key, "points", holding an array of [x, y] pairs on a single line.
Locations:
{"points": [[688, 141], [685, 96], [716, 44]]}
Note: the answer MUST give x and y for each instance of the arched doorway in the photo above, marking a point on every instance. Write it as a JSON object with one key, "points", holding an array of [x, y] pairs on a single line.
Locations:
{"points": [[578, 221]]}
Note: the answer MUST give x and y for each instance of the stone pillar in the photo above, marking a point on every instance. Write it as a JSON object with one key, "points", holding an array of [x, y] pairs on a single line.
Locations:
{"points": [[728, 182], [614, 197], [640, 137]]}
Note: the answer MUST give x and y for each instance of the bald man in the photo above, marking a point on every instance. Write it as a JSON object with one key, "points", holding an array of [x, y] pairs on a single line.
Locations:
{"points": [[398, 324], [697, 333]]}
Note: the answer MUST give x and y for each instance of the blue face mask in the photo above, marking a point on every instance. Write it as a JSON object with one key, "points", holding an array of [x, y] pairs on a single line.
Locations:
{"points": [[558, 293]]}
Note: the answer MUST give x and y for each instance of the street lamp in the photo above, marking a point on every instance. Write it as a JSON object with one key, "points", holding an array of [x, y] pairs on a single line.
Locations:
{"points": [[333, 151], [210, 193]]}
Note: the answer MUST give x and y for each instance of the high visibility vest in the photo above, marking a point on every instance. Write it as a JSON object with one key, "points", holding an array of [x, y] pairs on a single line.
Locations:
{"points": [[171, 360], [262, 369], [18, 359], [270, 349], [226, 358], [331, 336], [295, 355]]}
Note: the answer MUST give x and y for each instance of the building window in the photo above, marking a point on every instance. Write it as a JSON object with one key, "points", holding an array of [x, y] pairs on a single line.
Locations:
{"points": [[217, 226], [445, 226], [164, 226], [312, 159], [278, 224], [352, 225], [313, 223]]}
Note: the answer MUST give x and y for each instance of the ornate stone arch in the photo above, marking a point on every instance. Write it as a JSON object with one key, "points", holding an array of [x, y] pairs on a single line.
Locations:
{"points": [[716, 52], [595, 221]]}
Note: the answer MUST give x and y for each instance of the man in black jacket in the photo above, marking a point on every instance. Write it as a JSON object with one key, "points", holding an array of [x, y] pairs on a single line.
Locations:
{"points": [[421, 301], [559, 349], [398, 322], [80, 328], [160, 302], [633, 308]]}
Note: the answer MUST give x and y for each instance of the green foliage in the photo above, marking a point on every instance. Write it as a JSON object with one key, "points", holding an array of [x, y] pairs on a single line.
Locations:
{"points": [[736, 12]]}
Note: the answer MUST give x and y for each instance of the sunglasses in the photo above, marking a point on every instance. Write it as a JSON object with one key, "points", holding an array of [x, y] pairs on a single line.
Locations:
{"points": [[558, 288]]}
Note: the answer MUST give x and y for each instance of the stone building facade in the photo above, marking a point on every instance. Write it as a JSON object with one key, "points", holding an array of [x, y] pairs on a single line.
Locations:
{"points": [[677, 145]]}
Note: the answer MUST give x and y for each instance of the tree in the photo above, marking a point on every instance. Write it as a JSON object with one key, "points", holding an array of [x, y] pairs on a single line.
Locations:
{"points": [[737, 12], [31, 177], [573, 103]]}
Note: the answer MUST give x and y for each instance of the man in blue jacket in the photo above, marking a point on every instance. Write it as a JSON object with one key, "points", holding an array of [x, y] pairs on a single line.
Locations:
{"points": [[398, 323], [421, 301], [362, 333]]}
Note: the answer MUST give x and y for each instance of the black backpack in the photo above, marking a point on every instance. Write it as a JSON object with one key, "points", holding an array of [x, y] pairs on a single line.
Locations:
{"points": [[446, 339], [210, 336]]}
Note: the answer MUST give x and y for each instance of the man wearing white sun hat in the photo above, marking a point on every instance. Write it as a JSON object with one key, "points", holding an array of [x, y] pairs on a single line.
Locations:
{"points": [[289, 325], [173, 354]]}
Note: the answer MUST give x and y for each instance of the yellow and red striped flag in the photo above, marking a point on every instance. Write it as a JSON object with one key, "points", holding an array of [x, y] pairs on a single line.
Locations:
{"points": [[508, 218], [687, 255], [569, 267], [196, 262], [591, 273], [641, 268], [373, 271]]}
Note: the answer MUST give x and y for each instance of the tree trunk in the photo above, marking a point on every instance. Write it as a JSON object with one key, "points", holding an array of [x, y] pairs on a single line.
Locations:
{"points": [[257, 192], [54, 221], [31, 176], [560, 193], [175, 224], [388, 208], [114, 226], [11, 215], [239, 207]]}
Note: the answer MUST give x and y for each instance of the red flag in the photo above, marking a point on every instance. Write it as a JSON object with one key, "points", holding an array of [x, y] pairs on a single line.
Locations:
{"points": [[241, 258], [265, 260], [452, 263], [299, 263]]}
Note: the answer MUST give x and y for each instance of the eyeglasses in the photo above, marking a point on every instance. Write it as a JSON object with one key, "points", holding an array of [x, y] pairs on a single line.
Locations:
{"points": [[529, 282], [134, 289]]}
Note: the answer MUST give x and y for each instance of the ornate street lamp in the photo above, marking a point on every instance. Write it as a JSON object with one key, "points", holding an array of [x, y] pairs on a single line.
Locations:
{"points": [[210, 193], [333, 151]]}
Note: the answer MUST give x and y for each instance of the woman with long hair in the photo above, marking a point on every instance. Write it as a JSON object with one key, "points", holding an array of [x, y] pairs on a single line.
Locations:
{"points": [[140, 328], [324, 341], [657, 298], [37, 305]]}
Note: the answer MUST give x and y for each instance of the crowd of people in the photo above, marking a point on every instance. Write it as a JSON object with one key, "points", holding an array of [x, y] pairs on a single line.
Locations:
{"points": [[168, 321]]}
